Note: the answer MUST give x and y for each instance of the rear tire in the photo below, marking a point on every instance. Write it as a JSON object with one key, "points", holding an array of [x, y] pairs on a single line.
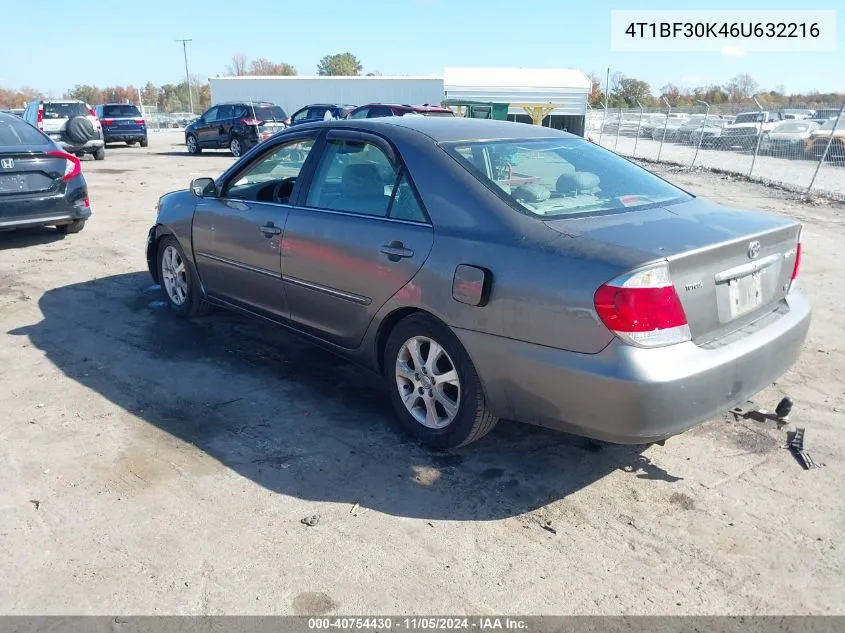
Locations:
{"points": [[178, 280], [74, 227], [144, 142], [446, 406], [236, 146], [100, 154]]}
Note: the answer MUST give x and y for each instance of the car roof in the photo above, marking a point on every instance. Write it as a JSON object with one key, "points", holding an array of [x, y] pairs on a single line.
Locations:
{"points": [[118, 104], [450, 129], [247, 102]]}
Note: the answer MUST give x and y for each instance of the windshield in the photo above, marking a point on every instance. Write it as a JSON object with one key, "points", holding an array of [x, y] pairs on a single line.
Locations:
{"points": [[750, 117], [792, 126], [64, 110], [125, 111], [268, 113], [14, 131], [563, 176], [828, 125]]}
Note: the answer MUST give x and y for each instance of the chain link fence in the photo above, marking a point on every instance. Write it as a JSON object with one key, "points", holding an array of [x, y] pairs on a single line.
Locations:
{"points": [[798, 147]]}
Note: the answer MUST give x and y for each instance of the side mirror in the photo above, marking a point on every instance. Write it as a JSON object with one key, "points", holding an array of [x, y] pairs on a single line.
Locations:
{"points": [[203, 187]]}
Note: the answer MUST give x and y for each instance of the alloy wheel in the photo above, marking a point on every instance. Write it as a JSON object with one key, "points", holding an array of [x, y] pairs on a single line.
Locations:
{"points": [[428, 382], [174, 275]]}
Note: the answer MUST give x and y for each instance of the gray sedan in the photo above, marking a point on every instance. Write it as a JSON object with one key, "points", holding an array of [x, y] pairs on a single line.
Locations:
{"points": [[489, 270]]}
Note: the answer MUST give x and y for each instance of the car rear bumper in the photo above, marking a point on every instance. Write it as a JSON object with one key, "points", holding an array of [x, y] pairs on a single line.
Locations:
{"points": [[630, 395], [46, 211], [90, 146], [111, 136]]}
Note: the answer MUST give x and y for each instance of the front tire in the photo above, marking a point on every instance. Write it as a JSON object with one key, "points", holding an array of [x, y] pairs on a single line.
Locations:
{"points": [[192, 144], [74, 227], [433, 385], [178, 280]]}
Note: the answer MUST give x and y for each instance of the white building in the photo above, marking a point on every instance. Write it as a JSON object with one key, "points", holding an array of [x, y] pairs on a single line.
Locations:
{"points": [[557, 97]]}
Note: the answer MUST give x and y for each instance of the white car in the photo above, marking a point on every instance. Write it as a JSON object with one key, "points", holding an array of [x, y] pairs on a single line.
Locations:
{"points": [[72, 124]]}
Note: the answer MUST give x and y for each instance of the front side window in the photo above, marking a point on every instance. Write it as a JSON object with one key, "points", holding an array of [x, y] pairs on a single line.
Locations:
{"points": [[211, 115], [360, 113], [300, 116], [379, 111], [272, 175], [563, 176]]}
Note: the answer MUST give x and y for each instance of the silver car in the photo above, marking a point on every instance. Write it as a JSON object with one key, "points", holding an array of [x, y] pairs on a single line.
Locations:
{"points": [[71, 123], [489, 269]]}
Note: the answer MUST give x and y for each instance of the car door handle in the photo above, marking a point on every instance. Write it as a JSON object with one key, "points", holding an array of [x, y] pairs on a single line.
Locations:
{"points": [[396, 251], [269, 229]]}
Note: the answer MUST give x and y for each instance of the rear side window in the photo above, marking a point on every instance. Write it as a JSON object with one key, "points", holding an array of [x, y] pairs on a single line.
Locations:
{"points": [[15, 131], [64, 110], [124, 111]]}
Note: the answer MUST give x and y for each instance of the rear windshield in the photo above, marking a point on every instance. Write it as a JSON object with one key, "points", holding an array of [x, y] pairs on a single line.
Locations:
{"points": [[128, 110], [14, 131], [64, 110], [563, 176], [268, 113]]}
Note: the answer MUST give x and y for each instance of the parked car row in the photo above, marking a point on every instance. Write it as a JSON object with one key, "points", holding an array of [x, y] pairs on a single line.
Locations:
{"points": [[238, 126], [789, 133]]}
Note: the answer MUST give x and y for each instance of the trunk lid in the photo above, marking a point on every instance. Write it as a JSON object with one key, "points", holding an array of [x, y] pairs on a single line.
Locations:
{"points": [[24, 173], [728, 266]]}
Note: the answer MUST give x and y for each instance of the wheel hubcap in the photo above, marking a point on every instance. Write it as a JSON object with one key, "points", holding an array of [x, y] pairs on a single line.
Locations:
{"points": [[192, 144], [174, 276], [428, 382], [235, 146]]}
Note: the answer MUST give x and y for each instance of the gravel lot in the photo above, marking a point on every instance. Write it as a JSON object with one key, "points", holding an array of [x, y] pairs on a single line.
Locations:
{"points": [[156, 466], [792, 173]]}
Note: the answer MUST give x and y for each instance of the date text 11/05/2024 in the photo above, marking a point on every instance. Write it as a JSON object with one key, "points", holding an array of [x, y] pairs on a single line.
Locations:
{"points": [[723, 30], [418, 624]]}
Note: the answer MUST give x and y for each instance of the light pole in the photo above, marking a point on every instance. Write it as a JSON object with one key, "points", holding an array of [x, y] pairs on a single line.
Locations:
{"points": [[187, 75]]}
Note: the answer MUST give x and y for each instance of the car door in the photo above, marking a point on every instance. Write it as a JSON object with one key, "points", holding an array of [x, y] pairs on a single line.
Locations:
{"points": [[237, 233], [207, 128], [354, 238], [225, 118]]}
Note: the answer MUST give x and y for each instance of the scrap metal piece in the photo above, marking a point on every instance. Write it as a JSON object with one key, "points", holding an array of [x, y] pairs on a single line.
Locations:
{"points": [[796, 445]]}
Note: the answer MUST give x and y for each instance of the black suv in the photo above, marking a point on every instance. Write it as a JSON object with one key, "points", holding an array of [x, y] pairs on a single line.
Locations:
{"points": [[237, 126]]}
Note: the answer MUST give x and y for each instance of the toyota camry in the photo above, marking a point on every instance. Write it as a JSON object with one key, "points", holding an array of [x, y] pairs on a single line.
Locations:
{"points": [[488, 269]]}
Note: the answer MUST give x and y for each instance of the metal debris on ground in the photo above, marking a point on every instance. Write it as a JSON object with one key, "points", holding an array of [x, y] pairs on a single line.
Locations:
{"points": [[357, 510], [796, 445], [311, 521], [36, 503], [548, 527]]}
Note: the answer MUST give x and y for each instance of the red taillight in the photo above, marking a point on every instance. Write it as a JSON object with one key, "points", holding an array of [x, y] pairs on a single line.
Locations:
{"points": [[107, 121], [91, 110], [643, 309], [72, 167], [797, 265], [252, 121], [138, 120], [39, 122]]}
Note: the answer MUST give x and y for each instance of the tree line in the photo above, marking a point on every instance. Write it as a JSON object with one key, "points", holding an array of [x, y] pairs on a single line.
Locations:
{"points": [[336, 65], [627, 92]]}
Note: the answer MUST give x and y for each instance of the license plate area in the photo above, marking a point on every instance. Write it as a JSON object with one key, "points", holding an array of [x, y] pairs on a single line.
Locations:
{"points": [[12, 184], [745, 294]]}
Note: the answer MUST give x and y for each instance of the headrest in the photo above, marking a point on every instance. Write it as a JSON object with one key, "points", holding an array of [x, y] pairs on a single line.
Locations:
{"points": [[362, 179]]}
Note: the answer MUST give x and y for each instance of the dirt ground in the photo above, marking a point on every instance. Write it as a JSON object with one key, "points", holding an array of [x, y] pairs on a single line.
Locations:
{"points": [[150, 465]]}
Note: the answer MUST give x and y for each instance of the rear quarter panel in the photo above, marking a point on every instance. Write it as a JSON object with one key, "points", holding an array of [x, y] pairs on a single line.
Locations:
{"points": [[543, 281]]}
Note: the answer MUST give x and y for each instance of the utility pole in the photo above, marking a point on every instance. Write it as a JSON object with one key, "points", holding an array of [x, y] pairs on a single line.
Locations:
{"points": [[187, 75], [606, 88]]}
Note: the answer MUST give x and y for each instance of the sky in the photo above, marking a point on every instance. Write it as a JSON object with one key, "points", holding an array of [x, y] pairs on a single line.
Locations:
{"points": [[112, 42]]}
